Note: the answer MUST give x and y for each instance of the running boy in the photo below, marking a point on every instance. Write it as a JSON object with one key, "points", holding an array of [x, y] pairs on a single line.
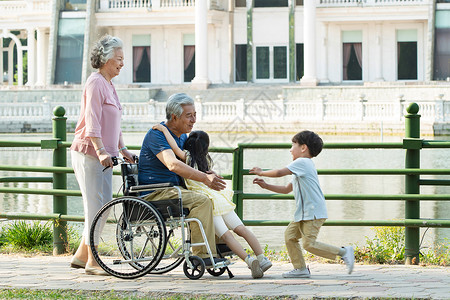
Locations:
{"points": [[311, 210]]}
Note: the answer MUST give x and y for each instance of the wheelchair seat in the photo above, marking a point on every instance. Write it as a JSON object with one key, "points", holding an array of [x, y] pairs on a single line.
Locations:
{"points": [[167, 207]]}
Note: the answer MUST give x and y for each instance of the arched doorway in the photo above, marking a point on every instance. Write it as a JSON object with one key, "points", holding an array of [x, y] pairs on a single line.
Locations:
{"points": [[15, 41]]}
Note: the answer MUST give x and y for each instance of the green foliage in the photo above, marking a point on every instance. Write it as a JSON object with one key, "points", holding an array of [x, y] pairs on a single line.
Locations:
{"points": [[439, 255], [25, 69], [273, 255], [388, 246], [73, 239], [27, 236], [3, 239]]}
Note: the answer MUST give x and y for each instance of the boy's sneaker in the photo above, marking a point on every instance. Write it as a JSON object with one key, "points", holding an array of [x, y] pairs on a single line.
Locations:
{"points": [[265, 264], [298, 273], [349, 258], [253, 264]]}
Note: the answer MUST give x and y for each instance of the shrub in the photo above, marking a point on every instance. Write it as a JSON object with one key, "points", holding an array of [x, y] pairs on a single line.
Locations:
{"points": [[73, 239], [3, 239], [388, 246], [439, 254], [27, 236]]}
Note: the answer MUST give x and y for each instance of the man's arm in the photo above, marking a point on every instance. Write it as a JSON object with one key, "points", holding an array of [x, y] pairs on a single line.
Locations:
{"points": [[168, 158]]}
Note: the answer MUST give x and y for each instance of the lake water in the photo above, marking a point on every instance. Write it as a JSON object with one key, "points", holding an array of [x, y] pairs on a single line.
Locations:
{"points": [[273, 209]]}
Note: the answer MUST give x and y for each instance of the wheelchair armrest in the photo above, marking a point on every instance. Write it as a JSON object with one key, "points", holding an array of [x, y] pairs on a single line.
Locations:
{"points": [[149, 187]]}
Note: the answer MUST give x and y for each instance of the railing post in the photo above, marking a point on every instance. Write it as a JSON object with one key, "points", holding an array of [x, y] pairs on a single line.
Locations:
{"points": [[362, 108], [237, 180], [199, 107], [152, 110], [412, 144], [59, 181], [439, 109], [240, 108]]}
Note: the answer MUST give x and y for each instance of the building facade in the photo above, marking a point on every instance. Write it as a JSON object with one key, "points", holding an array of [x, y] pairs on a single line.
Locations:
{"points": [[202, 42]]}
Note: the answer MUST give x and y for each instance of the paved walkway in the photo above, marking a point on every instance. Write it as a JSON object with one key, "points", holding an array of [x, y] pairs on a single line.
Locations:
{"points": [[327, 280]]}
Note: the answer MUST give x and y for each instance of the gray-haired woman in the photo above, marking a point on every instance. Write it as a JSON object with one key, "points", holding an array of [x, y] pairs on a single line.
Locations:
{"points": [[98, 138]]}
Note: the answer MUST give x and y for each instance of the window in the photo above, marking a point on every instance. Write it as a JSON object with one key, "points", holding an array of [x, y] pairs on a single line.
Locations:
{"points": [[298, 2], [299, 61], [442, 46], [271, 62], [262, 63], [352, 55], [141, 58], [240, 3], [279, 63], [352, 61], [74, 5], [271, 3], [241, 63], [189, 57], [407, 54], [69, 51]]}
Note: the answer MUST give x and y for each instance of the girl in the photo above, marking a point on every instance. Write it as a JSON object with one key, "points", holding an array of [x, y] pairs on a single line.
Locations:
{"points": [[196, 155]]}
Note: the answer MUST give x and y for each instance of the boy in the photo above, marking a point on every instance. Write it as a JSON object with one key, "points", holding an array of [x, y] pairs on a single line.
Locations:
{"points": [[311, 210]]}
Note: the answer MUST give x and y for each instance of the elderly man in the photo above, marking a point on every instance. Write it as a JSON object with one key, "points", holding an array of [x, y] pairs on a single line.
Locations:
{"points": [[158, 164]]}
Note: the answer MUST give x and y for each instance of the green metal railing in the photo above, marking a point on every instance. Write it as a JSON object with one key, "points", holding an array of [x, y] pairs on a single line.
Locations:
{"points": [[412, 197]]}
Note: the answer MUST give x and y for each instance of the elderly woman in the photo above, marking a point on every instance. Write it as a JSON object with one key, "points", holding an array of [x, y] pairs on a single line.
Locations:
{"points": [[97, 139]]}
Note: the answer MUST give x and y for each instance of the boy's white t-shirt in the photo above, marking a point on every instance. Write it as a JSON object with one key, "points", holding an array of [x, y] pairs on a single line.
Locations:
{"points": [[309, 198]]}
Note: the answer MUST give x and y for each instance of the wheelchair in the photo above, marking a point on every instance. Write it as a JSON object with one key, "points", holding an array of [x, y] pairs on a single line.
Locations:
{"points": [[131, 237]]}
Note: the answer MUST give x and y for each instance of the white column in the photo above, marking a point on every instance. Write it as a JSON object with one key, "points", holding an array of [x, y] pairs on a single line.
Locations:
{"points": [[19, 65], [40, 57], [11, 63], [31, 54], [379, 53], [324, 54], [309, 34], [201, 80], [1, 60]]}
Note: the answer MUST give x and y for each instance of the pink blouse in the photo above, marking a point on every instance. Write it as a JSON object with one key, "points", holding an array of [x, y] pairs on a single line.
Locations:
{"points": [[100, 117]]}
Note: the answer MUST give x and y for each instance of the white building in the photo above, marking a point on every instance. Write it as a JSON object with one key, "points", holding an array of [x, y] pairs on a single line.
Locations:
{"points": [[202, 42]]}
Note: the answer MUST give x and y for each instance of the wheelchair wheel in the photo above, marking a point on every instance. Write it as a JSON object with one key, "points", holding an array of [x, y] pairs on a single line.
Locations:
{"points": [[217, 272], [173, 255], [197, 270], [128, 237]]}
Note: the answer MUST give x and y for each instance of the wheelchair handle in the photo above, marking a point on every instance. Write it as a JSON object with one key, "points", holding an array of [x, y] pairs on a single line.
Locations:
{"points": [[116, 159]]}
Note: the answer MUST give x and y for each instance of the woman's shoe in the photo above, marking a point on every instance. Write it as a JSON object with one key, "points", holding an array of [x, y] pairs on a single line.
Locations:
{"points": [[77, 264], [95, 271]]}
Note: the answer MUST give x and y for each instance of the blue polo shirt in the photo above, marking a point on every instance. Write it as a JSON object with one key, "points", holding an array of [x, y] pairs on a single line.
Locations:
{"points": [[151, 169]]}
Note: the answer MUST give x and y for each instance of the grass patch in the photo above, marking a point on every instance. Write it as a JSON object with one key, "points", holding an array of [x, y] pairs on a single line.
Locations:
{"points": [[113, 295], [22, 235]]}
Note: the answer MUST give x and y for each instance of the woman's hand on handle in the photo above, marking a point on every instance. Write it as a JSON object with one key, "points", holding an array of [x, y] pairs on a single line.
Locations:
{"points": [[128, 156], [105, 158]]}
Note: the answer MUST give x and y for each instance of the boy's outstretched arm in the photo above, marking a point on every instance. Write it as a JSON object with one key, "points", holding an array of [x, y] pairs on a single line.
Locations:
{"points": [[281, 189], [178, 152], [270, 173]]}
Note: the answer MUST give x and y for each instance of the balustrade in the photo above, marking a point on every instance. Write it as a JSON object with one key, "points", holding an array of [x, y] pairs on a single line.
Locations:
{"points": [[13, 7], [106, 5], [254, 111], [340, 3]]}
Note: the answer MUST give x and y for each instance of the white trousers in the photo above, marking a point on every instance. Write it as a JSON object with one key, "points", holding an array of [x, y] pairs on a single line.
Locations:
{"points": [[225, 222], [96, 189]]}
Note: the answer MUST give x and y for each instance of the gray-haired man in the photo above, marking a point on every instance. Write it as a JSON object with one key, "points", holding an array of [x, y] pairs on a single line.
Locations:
{"points": [[158, 164]]}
